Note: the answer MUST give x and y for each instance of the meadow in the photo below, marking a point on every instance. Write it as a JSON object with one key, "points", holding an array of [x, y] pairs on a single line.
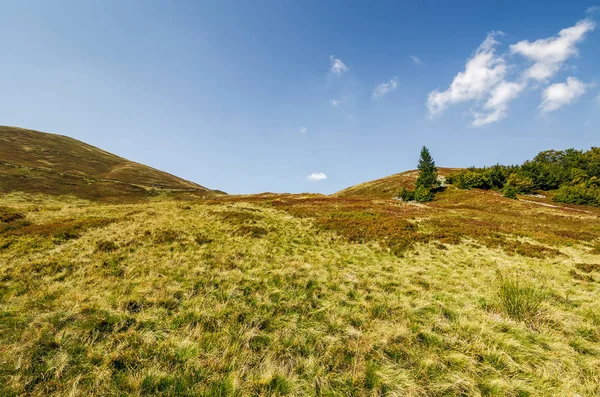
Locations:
{"points": [[472, 294]]}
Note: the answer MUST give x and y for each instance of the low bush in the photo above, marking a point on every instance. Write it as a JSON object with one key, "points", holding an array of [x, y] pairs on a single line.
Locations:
{"points": [[423, 194], [510, 192], [407, 195], [578, 194], [521, 183], [471, 179]]}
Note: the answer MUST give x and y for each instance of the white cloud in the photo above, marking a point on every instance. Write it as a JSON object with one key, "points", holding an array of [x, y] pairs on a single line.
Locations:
{"points": [[497, 104], [337, 66], [561, 94], [483, 72], [484, 79], [303, 130], [416, 60], [592, 10], [548, 55], [317, 176], [339, 101], [383, 88]]}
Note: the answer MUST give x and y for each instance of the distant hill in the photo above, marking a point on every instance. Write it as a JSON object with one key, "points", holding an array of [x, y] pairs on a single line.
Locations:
{"points": [[388, 186], [38, 162]]}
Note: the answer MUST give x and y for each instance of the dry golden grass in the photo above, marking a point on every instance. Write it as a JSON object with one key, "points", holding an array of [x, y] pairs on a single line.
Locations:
{"points": [[299, 295], [37, 162], [389, 186]]}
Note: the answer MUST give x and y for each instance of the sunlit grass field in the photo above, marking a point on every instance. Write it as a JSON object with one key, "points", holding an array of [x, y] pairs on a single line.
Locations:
{"points": [[472, 294]]}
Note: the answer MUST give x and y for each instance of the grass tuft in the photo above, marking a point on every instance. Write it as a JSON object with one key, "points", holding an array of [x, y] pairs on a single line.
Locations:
{"points": [[519, 299]]}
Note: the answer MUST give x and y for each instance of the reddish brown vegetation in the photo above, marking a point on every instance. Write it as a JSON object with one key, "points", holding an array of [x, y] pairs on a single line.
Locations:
{"points": [[455, 216]]}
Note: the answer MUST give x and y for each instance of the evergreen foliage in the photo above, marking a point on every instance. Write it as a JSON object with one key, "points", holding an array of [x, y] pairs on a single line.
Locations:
{"points": [[426, 181], [407, 195], [427, 170], [423, 194], [575, 174], [510, 192]]}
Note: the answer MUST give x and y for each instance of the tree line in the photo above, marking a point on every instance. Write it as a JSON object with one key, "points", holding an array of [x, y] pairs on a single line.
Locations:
{"points": [[572, 176]]}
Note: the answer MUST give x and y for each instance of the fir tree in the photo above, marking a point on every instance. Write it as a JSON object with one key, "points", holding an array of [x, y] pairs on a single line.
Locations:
{"points": [[427, 171]]}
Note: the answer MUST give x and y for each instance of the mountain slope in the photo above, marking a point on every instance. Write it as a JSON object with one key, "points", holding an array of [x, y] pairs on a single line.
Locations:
{"points": [[33, 161], [389, 186]]}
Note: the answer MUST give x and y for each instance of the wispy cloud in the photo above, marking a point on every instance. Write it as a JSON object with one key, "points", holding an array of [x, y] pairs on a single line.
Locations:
{"points": [[383, 88], [337, 66], [496, 107], [338, 101], [561, 94], [549, 54], [303, 130], [592, 10], [416, 60], [317, 176], [483, 72]]}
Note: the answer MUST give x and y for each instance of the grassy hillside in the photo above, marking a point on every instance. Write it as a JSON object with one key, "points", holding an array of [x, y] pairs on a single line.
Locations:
{"points": [[472, 294], [35, 162], [389, 186]]}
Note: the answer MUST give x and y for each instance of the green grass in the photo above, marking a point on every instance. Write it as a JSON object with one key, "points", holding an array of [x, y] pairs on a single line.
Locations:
{"points": [[520, 299], [298, 295]]}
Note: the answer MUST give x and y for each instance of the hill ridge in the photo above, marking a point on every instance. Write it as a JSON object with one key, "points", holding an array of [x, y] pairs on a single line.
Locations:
{"points": [[388, 186], [58, 164]]}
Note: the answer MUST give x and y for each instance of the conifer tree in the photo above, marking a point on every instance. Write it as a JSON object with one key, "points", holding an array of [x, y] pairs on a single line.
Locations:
{"points": [[427, 170]]}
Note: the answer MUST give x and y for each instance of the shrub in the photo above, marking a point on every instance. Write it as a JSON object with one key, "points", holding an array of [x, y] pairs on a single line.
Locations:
{"points": [[471, 179], [519, 301], [510, 192], [423, 194], [481, 178], [578, 194], [407, 195], [521, 183]]}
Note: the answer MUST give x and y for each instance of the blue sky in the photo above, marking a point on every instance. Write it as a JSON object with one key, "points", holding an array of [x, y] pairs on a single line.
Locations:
{"points": [[253, 96]]}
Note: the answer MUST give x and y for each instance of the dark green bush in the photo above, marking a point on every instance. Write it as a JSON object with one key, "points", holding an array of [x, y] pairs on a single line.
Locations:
{"points": [[578, 194], [521, 183], [422, 194], [481, 178], [574, 172], [471, 179], [510, 192], [407, 195]]}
